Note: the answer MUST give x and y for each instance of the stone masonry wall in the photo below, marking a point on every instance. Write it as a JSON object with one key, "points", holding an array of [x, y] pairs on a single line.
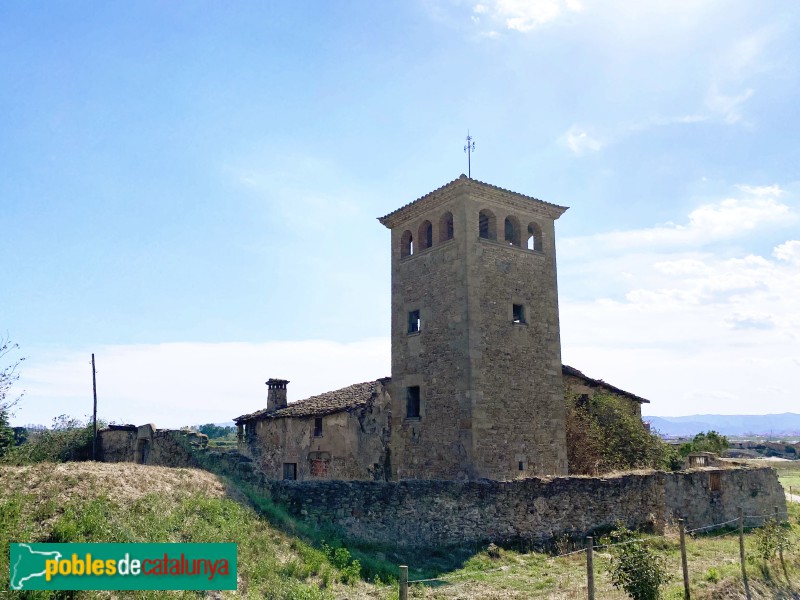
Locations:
{"points": [[491, 392], [419, 513], [150, 446], [353, 444]]}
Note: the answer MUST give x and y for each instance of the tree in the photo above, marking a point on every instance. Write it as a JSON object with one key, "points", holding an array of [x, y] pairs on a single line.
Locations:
{"points": [[8, 375], [707, 441], [216, 431]]}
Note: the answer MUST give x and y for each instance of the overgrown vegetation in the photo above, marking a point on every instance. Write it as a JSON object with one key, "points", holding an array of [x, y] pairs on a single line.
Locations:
{"points": [[604, 434], [707, 441], [90, 503], [125, 502], [8, 376], [68, 439], [217, 431], [635, 568]]}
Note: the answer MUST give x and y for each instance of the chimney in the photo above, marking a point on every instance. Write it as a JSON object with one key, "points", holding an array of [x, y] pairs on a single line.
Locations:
{"points": [[276, 396]]}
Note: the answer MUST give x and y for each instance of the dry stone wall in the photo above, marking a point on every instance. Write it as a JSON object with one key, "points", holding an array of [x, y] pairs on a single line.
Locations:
{"points": [[149, 446], [424, 513]]}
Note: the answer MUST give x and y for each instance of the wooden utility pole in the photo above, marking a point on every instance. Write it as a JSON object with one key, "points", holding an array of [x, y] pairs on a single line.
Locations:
{"points": [[94, 412], [741, 552], [590, 566], [686, 593], [403, 595]]}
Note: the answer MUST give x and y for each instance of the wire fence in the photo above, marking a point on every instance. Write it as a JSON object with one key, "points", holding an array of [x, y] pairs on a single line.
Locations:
{"points": [[586, 572]]}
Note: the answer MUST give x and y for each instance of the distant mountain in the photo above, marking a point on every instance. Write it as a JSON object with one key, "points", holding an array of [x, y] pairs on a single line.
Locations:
{"points": [[783, 425]]}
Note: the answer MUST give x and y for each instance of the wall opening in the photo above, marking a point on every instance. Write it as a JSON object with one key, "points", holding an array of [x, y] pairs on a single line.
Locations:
{"points": [[414, 322], [715, 482], [518, 313], [535, 237], [406, 244], [290, 471], [142, 451], [512, 233], [487, 225], [317, 426], [446, 231], [412, 402], [425, 237]]}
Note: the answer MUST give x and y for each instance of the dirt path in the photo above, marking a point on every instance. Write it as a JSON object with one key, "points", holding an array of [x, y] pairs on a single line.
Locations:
{"points": [[792, 497]]}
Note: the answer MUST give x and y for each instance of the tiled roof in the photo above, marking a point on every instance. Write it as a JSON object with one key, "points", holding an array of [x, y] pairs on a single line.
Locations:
{"points": [[353, 396], [464, 179], [357, 396], [567, 370]]}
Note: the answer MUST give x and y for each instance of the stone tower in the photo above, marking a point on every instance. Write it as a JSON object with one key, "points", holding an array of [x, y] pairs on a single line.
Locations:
{"points": [[477, 390]]}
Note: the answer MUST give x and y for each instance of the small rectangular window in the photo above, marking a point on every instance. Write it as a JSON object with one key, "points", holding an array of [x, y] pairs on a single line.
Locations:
{"points": [[318, 427], [290, 471], [716, 482], [518, 313], [521, 466], [414, 322], [412, 402]]}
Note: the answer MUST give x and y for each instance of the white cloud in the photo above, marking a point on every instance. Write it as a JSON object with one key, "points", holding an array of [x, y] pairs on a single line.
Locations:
{"points": [[579, 141], [527, 15], [727, 107], [726, 219], [692, 331], [177, 384], [789, 252]]}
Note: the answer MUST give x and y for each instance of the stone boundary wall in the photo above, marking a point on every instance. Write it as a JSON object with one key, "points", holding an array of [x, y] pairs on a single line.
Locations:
{"points": [[425, 513]]}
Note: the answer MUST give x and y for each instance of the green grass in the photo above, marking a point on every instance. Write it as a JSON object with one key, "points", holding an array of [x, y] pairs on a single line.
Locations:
{"points": [[281, 558], [271, 563]]}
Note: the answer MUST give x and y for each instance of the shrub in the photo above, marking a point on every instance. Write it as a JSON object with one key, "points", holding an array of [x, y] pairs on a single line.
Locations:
{"points": [[634, 567], [772, 537], [69, 439]]}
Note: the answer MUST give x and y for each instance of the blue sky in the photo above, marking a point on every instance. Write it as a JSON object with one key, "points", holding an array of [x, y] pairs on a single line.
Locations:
{"points": [[189, 190]]}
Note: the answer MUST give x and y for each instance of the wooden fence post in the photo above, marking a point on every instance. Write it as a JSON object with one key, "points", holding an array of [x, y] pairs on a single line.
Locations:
{"points": [[590, 566], [403, 582], [741, 551], [684, 565]]}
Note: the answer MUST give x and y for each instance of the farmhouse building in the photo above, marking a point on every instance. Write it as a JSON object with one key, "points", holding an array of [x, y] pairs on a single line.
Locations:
{"points": [[346, 433], [477, 385]]}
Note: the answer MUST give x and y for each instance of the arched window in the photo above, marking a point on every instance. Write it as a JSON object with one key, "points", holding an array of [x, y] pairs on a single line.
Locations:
{"points": [[425, 237], [406, 244], [446, 227], [512, 234], [534, 237], [487, 225]]}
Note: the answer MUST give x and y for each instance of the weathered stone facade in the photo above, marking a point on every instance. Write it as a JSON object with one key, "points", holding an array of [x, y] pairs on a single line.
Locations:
{"points": [[476, 385], [342, 434], [355, 427], [436, 513], [147, 445], [579, 384]]}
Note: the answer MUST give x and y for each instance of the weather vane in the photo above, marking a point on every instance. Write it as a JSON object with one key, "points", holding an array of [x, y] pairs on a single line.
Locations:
{"points": [[469, 149]]}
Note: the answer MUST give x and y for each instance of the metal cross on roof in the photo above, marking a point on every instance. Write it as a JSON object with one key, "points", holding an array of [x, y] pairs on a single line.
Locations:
{"points": [[469, 149]]}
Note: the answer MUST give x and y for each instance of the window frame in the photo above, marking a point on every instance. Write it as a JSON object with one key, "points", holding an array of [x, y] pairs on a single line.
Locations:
{"points": [[413, 400]]}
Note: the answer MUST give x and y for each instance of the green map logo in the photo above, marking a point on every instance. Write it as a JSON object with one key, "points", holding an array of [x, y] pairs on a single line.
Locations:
{"points": [[28, 564], [122, 566]]}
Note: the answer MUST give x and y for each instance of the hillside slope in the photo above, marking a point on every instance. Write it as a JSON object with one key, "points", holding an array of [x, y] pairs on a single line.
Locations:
{"points": [[124, 502]]}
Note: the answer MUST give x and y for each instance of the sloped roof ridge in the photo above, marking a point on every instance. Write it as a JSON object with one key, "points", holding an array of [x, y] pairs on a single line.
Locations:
{"points": [[350, 396], [567, 370], [466, 179]]}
